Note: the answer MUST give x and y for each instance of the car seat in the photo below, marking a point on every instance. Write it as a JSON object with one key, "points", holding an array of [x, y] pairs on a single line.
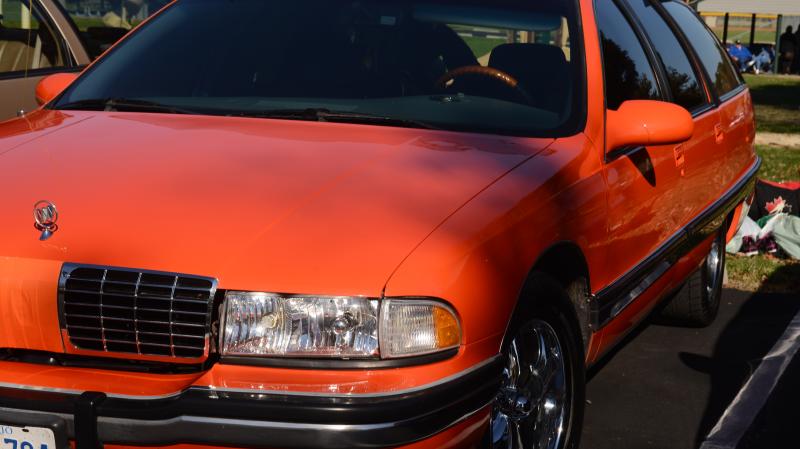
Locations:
{"points": [[542, 71], [22, 50]]}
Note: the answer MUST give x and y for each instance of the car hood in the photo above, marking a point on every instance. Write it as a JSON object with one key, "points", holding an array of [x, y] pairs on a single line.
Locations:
{"points": [[272, 205]]}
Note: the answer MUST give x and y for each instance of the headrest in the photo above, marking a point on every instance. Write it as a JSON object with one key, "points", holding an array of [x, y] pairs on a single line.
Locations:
{"points": [[541, 69], [526, 57]]}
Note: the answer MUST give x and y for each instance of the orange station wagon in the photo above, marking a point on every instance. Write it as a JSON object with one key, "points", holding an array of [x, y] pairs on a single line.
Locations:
{"points": [[357, 223]]}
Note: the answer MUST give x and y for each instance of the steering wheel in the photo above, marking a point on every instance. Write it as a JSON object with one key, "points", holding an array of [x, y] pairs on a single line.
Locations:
{"points": [[488, 72]]}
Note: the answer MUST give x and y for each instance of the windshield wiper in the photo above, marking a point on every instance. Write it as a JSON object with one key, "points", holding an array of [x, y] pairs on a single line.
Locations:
{"points": [[122, 104], [326, 115]]}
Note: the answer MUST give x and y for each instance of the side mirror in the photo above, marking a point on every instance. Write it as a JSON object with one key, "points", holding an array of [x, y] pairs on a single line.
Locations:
{"points": [[647, 122], [50, 86]]}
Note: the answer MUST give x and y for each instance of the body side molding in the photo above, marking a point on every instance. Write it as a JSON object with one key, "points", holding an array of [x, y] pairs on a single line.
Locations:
{"points": [[614, 298]]}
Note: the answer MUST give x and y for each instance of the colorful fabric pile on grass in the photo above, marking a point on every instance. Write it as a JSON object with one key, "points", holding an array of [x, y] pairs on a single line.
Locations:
{"points": [[773, 224]]}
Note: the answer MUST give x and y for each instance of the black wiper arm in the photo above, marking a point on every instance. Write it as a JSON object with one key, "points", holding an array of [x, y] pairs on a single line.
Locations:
{"points": [[311, 114], [367, 119], [326, 115], [122, 104]]}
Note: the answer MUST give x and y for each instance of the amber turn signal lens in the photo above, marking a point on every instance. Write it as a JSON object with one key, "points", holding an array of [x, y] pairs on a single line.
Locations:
{"points": [[412, 327], [448, 332]]}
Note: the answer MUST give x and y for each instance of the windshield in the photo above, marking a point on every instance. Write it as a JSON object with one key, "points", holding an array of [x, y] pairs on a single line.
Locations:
{"points": [[511, 67]]}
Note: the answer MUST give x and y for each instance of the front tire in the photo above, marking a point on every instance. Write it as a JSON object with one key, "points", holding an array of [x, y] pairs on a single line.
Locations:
{"points": [[540, 403], [696, 304]]}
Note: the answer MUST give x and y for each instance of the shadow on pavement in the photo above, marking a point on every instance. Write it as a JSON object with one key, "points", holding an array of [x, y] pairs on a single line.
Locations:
{"points": [[666, 387], [747, 338]]}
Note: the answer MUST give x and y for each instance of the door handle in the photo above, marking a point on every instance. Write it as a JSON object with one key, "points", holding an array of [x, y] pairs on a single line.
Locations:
{"points": [[680, 158], [719, 134]]}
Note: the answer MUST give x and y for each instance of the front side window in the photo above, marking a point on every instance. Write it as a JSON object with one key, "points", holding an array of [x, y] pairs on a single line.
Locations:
{"points": [[27, 41], [687, 90], [714, 58], [509, 67], [628, 73]]}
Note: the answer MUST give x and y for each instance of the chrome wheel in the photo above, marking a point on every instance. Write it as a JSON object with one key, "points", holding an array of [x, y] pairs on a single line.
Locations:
{"points": [[713, 269], [532, 406]]}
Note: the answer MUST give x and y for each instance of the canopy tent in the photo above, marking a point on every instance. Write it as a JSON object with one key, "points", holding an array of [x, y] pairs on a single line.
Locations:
{"points": [[780, 7]]}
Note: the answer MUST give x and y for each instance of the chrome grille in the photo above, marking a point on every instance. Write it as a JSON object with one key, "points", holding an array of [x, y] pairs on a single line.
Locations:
{"points": [[119, 310]]}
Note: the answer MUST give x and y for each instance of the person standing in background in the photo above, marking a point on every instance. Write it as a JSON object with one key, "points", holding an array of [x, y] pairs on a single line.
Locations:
{"points": [[796, 61], [788, 47]]}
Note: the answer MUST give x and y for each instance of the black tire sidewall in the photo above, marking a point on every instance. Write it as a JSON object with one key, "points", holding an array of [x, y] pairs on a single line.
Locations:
{"points": [[546, 301]]}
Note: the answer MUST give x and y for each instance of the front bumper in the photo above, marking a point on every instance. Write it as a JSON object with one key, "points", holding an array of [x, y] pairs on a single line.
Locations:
{"points": [[206, 416]]}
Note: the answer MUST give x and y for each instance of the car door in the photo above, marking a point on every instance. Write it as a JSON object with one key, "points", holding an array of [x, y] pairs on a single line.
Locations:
{"points": [[728, 132], [36, 39], [684, 74], [644, 183]]}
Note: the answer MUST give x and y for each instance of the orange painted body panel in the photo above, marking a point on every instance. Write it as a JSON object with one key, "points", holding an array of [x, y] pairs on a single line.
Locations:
{"points": [[354, 382], [181, 179], [644, 205], [633, 124], [738, 125], [50, 86], [31, 314], [122, 383], [344, 209], [481, 256]]}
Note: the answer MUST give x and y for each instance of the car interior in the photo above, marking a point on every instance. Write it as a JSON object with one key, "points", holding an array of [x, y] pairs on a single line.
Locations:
{"points": [[366, 58], [461, 66], [27, 43], [360, 51]]}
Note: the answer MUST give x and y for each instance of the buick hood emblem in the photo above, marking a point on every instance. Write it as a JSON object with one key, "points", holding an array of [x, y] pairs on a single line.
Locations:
{"points": [[45, 216]]}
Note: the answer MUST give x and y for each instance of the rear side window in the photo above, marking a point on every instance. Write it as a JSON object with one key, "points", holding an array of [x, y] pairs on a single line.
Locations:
{"points": [[709, 50], [687, 90], [628, 73]]}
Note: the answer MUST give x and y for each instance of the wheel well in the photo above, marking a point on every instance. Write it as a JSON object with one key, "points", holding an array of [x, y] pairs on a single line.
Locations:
{"points": [[565, 264]]}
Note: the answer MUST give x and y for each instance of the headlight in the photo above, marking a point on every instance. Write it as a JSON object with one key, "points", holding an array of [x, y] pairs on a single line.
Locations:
{"points": [[265, 324], [271, 325]]}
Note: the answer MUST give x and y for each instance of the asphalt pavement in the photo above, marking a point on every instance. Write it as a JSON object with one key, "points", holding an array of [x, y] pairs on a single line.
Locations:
{"points": [[666, 387]]}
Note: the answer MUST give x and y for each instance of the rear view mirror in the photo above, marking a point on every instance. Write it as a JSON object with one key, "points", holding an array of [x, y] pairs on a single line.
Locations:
{"points": [[647, 122], [50, 86]]}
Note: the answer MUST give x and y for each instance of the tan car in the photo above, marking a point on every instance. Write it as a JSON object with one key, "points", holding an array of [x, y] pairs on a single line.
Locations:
{"points": [[40, 37]]}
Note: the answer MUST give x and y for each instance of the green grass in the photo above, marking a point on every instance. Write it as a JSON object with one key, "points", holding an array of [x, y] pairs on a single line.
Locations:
{"points": [[743, 34], [780, 164], [777, 102], [763, 273], [482, 46]]}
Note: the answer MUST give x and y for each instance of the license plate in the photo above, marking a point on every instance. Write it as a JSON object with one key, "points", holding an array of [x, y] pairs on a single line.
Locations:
{"points": [[27, 438]]}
